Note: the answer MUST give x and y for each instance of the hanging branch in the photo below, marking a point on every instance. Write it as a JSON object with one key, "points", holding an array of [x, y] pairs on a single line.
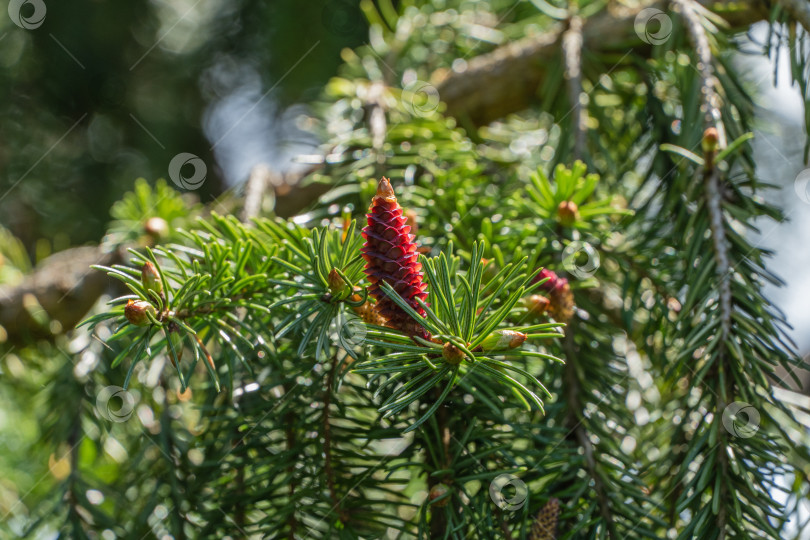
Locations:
{"points": [[711, 115], [327, 442], [725, 359], [574, 423]]}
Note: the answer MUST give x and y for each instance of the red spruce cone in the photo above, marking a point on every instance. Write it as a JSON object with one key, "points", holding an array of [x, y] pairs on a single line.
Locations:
{"points": [[391, 256]]}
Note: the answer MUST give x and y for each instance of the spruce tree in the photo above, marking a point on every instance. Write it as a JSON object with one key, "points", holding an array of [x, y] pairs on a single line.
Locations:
{"points": [[524, 303]]}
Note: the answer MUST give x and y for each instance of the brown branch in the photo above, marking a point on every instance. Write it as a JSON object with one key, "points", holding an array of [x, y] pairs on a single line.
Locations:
{"points": [[572, 55], [63, 286], [327, 444], [290, 441], [575, 408], [507, 79], [261, 176]]}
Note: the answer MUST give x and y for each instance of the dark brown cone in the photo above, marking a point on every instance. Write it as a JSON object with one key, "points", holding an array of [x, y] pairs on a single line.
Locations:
{"points": [[544, 526]]}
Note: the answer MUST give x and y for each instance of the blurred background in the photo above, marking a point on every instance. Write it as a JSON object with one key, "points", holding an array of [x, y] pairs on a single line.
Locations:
{"points": [[95, 94], [106, 92]]}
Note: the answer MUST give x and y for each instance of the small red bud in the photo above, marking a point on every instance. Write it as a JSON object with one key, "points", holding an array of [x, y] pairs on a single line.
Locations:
{"points": [[561, 299], [452, 354], [710, 139], [336, 283], [150, 278], [502, 340], [437, 491], [567, 213], [136, 312], [537, 304]]}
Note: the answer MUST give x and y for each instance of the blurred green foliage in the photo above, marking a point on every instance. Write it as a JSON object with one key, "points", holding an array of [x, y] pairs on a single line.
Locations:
{"points": [[105, 92]]}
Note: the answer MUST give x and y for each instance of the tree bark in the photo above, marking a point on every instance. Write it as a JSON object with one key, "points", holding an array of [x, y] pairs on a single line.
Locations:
{"points": [[507, 79]]}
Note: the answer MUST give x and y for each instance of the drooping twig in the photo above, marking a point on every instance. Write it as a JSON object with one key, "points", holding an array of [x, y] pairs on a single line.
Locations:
{"points": [[327, 444], [711, 116], [574, 423], [713, 197]]}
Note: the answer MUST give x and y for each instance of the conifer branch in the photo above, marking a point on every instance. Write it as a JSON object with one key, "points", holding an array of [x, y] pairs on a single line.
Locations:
{"points": [[711, 116], [713, 197], [574, 422], [290, 442]]}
